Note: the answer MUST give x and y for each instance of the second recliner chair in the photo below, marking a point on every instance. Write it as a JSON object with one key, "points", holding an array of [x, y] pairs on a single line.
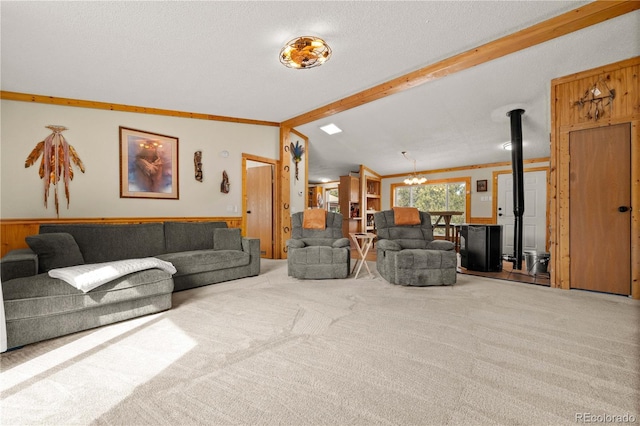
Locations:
{"points": [[317, 249], [407, 254]]}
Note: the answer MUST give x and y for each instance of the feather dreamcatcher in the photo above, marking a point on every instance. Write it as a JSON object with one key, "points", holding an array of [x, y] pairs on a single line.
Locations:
{"points": [[57, 156], [296, 154]]}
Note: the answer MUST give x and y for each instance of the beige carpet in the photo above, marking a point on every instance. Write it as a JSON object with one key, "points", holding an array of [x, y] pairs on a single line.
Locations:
{"points": [[275, 350]]}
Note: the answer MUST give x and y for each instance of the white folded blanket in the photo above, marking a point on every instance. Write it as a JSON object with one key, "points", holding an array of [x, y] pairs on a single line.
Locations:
{"points": [[87, 277]]}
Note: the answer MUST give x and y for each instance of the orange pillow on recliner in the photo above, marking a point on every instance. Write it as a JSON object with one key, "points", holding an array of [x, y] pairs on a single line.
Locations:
{"points": [[406, 216], [314, 219]]}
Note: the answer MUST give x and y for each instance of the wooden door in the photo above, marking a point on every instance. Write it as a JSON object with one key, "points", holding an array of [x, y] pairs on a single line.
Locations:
{"points": [[260, 207], [534, 219], [599, 192]]}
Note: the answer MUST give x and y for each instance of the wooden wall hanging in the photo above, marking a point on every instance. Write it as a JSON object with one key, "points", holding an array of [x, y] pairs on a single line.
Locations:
{"points": [[225, 185], [197, 164], [596, 98]]}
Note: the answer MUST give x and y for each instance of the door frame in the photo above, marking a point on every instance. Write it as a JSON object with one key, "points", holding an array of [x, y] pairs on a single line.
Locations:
{"points": [[275, 198], [494, 207], [494, 213], [563, 251]]}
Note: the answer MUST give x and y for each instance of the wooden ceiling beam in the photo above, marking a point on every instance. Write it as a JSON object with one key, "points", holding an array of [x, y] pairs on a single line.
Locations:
{"points": [[574, 20]]}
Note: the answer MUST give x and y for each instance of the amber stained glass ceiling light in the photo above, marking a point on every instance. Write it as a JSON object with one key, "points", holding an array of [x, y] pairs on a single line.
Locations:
{"points": [[305, 52]]}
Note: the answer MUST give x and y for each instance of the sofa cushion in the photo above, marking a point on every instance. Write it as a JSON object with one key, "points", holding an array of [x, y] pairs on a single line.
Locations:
{"points": [[55, 250], [409, 243], [318, 242], [41, 295], [332, 229], [187, 236], [314, 219], [104, 243], [406, 216], [193, 262], [227, 239]]}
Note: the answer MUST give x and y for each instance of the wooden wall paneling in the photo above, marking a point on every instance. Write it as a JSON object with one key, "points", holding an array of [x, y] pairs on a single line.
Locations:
{"points": [[563, 213], [635, 199], [243, 227], [13, 235], [633, 84], [623, 77], [552, 192]]}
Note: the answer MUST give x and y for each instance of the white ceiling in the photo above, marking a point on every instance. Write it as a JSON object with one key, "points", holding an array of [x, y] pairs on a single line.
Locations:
{"points": [[221, 58]]}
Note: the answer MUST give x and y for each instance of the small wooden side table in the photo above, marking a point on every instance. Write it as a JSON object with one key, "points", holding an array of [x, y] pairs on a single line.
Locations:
{"points": [[363, 242]]}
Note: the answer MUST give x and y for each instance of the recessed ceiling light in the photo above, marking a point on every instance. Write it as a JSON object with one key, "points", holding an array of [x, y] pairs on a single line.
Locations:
{"points": [[331, 129], [324, 180], [506, 146]]}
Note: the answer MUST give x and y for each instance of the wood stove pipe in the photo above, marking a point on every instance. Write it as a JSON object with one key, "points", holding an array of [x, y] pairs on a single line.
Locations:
{"points": [[518, 184]]}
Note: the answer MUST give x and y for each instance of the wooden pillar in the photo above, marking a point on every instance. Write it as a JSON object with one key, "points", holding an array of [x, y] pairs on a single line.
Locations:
{"points": [[284, 189]]}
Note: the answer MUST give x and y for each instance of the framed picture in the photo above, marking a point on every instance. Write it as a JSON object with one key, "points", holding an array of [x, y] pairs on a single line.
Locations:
{"points": [[481, 185], [148, 165]]}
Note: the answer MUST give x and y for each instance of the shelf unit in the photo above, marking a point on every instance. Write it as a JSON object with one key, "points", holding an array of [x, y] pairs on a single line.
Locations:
{"points": [[349, 198], [315, 193], [372, 202]]}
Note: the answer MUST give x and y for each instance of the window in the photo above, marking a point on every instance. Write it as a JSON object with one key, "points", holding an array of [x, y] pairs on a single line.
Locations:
{"points": [[449, 195]]}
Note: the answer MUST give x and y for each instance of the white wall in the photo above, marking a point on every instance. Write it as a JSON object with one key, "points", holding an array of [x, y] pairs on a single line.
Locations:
{"points": [[481, 202], [94, 134]]}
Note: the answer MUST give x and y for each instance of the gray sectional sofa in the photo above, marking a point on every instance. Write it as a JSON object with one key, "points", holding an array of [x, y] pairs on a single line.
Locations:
{"points": [[38, 307]]}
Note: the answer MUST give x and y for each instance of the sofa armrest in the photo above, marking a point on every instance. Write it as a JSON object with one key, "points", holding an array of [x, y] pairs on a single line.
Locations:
{"points": [[295, 243], [341, 242], [252, 246], [441, 245], [18, 263], [388, 245]]}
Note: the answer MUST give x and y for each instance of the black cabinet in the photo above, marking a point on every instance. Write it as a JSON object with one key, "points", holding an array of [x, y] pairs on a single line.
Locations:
{"points": [[481, 247]]}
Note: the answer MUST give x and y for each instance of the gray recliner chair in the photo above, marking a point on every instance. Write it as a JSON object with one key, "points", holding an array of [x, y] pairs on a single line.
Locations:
{"points": [[408, 254], [318, 253]]}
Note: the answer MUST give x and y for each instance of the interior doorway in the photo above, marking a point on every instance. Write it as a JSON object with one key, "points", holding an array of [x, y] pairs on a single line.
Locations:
{"points": [[258, 213], [600, 209], [534, 219], [332, 199]]}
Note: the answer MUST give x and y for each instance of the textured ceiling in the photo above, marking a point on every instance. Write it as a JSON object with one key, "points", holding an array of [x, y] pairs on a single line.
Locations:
{"points": [[221, 58]]}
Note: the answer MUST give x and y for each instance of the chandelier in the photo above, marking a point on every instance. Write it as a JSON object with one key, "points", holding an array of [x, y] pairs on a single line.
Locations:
{"points": [[414, 178], [305, 52]]}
